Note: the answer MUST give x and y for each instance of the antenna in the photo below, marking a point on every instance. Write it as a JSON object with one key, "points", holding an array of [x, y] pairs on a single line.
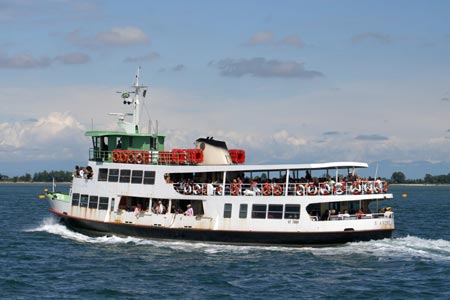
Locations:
{"points": [[131, 97]]}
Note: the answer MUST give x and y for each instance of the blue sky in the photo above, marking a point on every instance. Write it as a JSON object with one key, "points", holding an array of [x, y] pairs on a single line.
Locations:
{"points": [[289, 81]]}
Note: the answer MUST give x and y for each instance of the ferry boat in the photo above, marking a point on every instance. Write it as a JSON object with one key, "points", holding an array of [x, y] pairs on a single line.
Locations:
{"points": [[133, 186]]}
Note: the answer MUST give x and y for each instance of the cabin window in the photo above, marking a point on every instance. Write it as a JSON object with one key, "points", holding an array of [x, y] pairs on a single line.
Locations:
{"points": [[259, 211], [125, 176], [75, 199], [84, 200], [93, 202], [275, 211], [243, 211], [227, 210], [113, 175], [103, 204], [149, 177], [102, 174], [292, 211], [136, 176]]}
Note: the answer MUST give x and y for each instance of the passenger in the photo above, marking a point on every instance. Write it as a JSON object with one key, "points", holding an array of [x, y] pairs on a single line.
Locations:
{"points": [[83, 172], [168, 179], [89, 172], [160, 208], [325, 216], [345, 214], [360, 213], [137, 209], [119, 144], [308, 176], [76, 173], [189, 211]]}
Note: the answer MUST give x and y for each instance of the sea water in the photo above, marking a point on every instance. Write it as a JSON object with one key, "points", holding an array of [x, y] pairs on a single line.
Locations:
{"points": [[41, 259]]}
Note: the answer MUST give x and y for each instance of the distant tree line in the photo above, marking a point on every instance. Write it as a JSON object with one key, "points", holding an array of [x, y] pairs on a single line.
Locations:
{"points": [[45, 176], [399, 177]]}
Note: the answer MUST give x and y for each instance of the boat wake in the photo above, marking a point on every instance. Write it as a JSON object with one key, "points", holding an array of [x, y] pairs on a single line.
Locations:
{"points": [[409, 247], [405, 248]]}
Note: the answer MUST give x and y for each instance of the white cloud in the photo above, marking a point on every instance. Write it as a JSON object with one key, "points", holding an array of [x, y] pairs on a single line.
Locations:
{"points": [[267, 38], [74, 58], [262, 67], [122, 36], [57, 136], [147, 57], [24, 61], [115, 37], [374, 36]]}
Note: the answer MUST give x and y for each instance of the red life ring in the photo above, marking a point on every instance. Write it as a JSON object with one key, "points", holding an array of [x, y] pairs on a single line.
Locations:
{"points": [[325, 188], [277, 190], [187, 189], [131, 158], [116, 156], [339, 188], [124, 157], [356, 188], [139, 158], [234, 189], [311, 189], [300, 190], [266, 190]]}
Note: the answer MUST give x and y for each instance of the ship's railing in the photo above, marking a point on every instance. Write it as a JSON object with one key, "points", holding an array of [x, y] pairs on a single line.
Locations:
{"points": [[174, 157], [361, 216], [279, 189]]}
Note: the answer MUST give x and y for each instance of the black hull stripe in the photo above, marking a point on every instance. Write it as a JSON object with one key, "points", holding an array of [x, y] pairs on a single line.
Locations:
{"points": [[222, 236]]}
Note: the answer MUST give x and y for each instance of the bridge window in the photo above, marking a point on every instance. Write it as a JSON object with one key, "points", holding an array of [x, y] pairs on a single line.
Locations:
{"points": [[125, 176], [102, 174], [84, 200], [103, 204], [149, 177], [75, 199], [292, 211], [136, 176], [259, 211], [227, 210], [113, 175], [93, 202], [275, 211], [243, 211]]}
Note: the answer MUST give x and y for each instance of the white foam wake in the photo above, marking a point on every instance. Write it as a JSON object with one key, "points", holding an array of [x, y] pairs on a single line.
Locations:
{"points": [[409, 247]]}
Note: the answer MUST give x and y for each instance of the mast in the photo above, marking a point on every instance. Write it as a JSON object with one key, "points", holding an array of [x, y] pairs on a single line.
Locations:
{"points": [[133, 126]]}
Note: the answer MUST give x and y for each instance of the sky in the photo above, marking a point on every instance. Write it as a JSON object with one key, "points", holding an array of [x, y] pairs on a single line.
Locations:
{"points": [[287, 81]]}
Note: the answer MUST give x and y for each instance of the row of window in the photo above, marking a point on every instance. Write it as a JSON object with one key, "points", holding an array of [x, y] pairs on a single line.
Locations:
{"points": [[126, 176], [263, 211], [91, 201]]}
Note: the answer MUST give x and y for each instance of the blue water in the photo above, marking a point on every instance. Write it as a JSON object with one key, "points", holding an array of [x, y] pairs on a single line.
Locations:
{"points": [[40, 259]]}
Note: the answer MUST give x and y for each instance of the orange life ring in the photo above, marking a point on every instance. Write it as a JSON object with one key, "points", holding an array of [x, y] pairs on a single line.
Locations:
{"points": [[234, 189], [356, 188], [139, 158], [311, 189], [339, 188], [277, 190], [116, 156], [325, 188], [300, 189], [266, 190], [124, 157], [187, 189], [131, 158]]}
